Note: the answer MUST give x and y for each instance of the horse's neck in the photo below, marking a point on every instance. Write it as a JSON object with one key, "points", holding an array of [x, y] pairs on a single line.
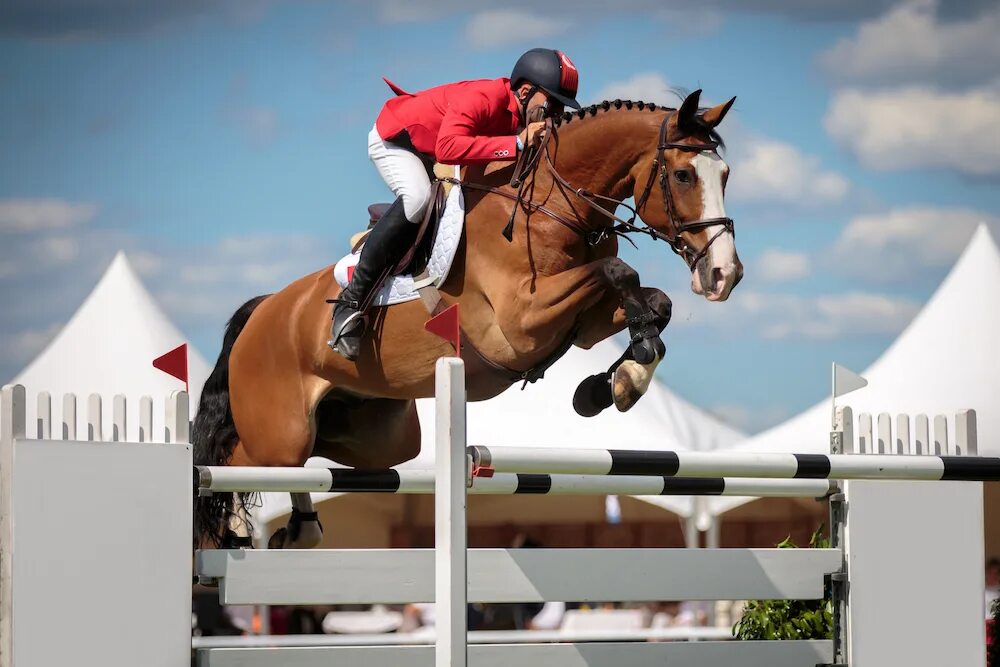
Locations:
{"points": [[598, 153]]}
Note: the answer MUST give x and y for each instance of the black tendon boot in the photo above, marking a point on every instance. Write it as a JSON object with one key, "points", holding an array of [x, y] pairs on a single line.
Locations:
{"points": [[385, 246]]}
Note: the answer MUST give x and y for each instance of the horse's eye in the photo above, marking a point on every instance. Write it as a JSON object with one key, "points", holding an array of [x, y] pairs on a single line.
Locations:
{"points": [[682, 176]]}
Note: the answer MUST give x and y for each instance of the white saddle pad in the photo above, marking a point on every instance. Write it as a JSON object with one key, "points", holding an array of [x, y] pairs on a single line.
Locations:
{"points": [[401, 288]]}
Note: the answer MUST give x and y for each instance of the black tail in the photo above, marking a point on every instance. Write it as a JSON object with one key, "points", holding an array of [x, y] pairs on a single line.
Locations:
{"points": [[214, 432]]}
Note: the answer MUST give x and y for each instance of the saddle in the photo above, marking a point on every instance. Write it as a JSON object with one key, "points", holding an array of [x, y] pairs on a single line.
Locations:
{"points": [[415, 260]]}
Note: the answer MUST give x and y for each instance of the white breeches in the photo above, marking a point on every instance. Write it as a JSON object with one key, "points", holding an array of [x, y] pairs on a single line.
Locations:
{"points": [[403, 172]]}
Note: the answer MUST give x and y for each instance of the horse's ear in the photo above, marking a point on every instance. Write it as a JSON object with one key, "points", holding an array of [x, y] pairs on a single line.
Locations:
{"points": [[714, 116], [687, 113]]}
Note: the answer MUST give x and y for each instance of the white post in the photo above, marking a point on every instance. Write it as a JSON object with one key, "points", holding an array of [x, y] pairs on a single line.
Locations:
{"points": [[146, 419], [119, 432], [923, 438], [95, 427], [903, 434], [692, 538], [865, 445], [69, 417], [450, 549], [941, 435], [844, 424], [885, 434], [12, 427], [178, 426], [966, 435], [43, 416]]}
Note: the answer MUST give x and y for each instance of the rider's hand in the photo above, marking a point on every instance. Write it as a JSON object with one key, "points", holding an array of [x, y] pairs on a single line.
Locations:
{"points": [[532, 135]]}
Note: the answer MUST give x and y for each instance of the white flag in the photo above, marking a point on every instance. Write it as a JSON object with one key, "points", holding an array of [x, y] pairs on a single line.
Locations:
{"points": [[845, 381]]}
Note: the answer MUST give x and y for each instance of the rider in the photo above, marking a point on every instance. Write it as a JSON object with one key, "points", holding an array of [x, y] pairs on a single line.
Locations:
{"points": [[459, 123]]}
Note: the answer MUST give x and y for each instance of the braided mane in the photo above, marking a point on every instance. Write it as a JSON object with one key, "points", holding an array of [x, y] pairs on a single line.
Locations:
{"points": [[628, 105]]}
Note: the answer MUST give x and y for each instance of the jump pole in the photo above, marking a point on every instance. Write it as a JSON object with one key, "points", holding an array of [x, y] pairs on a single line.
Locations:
{"points": [[735, 464], [237, 479]]}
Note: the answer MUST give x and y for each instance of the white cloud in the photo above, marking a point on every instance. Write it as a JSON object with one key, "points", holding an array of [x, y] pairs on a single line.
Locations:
{"points": [[769, 170], [778, 316], [763, 169], [919, 127], [45, 275], [910, 44], [645, 86], [36, 215], [25, 345], [905, 242], [398, 11], [833, 316], [778, 265], [493, 28]]}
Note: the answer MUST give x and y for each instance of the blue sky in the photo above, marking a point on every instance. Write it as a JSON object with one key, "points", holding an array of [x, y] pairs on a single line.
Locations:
{"points": [[222, 145]]}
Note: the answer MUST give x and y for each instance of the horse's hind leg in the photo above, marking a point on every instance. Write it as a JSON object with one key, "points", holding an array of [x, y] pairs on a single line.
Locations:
{"points": [[273, 412], [303, 530]]}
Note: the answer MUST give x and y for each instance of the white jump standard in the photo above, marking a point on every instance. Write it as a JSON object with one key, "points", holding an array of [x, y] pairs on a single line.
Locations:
{"points": [[901, 552]]}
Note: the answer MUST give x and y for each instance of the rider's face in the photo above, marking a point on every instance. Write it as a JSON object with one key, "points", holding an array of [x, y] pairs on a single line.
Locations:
{"points": [[539, 99]]}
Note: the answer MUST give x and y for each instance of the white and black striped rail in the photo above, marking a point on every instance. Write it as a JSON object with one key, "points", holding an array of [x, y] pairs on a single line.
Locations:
{"points": [[734, 464], [222, 479]]}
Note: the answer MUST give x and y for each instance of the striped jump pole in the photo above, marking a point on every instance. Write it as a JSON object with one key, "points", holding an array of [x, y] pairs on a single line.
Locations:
{"points": [[491, 460], [230, 479]]}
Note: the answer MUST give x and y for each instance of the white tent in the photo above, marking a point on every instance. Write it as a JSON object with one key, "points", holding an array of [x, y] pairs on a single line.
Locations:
{"points": [[946, 360], [107, 348], [543, 415]]}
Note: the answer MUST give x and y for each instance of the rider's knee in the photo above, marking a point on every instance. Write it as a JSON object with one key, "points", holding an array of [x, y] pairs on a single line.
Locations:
{"points": [[415, 203]]}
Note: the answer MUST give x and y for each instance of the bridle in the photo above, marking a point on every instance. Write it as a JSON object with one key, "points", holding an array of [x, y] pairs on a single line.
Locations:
{"points": [[622, 227]]}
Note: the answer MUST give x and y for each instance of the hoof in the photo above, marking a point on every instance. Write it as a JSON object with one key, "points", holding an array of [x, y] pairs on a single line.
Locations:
{"points": [[232, 540], [631, 381], [593, 395], [278, 538], [298, 534]]}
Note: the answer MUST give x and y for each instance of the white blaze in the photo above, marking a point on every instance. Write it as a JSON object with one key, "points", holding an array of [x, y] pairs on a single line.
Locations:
{"points": [[710, 169]]}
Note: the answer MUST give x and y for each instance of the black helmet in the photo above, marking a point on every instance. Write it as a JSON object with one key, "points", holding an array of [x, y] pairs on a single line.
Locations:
{"points": [[550, 70]]}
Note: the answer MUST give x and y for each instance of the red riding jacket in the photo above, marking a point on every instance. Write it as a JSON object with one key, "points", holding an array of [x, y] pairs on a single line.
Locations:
{"points": [[457, 123]]}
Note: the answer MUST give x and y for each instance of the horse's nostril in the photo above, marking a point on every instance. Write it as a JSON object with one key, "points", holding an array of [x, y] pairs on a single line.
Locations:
{"points": [[718, 279]]}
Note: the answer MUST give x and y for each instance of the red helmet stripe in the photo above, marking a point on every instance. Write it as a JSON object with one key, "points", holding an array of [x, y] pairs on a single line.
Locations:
{"points": [[568, 76]]}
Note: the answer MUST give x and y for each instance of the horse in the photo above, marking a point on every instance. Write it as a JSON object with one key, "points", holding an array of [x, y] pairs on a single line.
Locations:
{"points": [[550, 279]]}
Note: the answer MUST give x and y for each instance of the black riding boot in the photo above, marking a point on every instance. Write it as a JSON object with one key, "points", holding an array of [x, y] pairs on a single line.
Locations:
{"points": [[385, 246]]}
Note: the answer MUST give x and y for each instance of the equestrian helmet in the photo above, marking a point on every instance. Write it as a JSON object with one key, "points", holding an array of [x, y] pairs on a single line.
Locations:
{"points": [[550, 70]]}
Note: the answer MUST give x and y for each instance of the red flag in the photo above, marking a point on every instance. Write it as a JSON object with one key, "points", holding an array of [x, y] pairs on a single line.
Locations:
{"points": [[445, 324], [175, 363]]}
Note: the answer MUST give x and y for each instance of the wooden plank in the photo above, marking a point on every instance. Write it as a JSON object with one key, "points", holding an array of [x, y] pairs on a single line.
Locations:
{"points": [[368, 576], [594, 654]]}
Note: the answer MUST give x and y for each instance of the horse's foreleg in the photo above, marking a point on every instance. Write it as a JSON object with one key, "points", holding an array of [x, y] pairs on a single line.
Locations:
{"points": [[547, 305], [600, 298], [608, 317], [627, 381]]}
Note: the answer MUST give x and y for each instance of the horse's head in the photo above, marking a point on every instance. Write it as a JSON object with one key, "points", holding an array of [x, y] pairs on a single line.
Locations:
{"points": [[679, 193]]}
